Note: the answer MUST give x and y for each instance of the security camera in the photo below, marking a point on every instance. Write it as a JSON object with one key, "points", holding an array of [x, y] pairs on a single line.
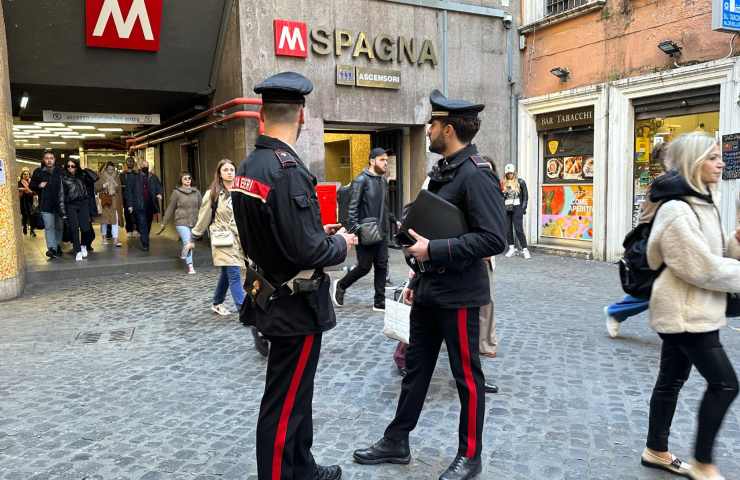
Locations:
{"points": [[507, 21]]}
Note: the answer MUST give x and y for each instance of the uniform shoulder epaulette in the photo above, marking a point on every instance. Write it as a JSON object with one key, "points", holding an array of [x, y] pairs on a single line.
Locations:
{"points": [[479, 162], [285, 158]]}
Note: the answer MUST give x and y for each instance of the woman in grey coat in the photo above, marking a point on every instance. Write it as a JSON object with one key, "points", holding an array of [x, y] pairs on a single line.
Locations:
{"points": [[184, 206]]}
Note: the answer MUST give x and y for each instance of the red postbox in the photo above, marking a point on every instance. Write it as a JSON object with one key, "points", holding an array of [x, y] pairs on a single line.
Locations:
{"points": [[327, 194]]}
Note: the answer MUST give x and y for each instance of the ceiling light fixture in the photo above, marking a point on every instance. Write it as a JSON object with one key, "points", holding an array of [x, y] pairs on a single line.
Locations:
{"points": [[60, 129], [43, 124], [24, 100], [29, 127], [110, 129], [670, 48], [58, 143], [93, 135], [82, 127], [32, 145], [561, 72]]}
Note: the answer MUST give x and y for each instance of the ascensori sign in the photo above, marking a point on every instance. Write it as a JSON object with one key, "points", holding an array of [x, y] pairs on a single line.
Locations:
{"points": [[123, 24], [292, 40]]}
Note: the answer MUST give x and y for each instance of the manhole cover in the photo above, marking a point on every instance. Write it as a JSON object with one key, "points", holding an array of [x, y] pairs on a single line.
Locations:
{"points": [[119, 335]]}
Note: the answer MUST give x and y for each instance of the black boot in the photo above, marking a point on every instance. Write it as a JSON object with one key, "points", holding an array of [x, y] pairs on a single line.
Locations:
{"points": [[462, 468], [384, 451], [59, 250], [51, 253], [490, 387], [260, 343], [331, 472]]}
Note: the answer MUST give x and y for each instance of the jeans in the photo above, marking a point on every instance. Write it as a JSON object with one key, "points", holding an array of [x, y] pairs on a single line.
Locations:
{"points": [[679, 352], [113, 229], [53, 228], [230, 279], [374, 256], [628, 307], [515, 223], [78, 216], [185, 236]]}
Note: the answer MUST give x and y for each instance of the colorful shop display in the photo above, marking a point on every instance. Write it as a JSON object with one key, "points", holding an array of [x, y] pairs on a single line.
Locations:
{"points": [[567, 212]]}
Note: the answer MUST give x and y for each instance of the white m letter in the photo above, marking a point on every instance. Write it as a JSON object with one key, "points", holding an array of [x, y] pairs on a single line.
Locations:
{"points": [[293, 39], [111, 8]]}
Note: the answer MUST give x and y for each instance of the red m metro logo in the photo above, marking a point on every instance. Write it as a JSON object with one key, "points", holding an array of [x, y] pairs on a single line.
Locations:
{"points": [[127, 24], [291, 38]]}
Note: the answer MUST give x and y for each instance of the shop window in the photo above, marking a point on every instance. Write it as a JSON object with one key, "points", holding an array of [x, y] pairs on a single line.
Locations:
{"points": [[651, 135]]}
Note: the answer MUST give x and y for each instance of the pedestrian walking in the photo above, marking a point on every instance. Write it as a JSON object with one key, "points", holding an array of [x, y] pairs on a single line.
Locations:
{"points": [[688, 300], [279, 222], [46, 181], [184, 206], [516, 199], [629, 306], [26, 196], [74, 205], [369, 216], [488, 339], [129, 219], [110, 195], [143, 197], [448, 290]]}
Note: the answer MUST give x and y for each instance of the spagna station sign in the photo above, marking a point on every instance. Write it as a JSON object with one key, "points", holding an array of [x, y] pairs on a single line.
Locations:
{"points": [[293, 39]]}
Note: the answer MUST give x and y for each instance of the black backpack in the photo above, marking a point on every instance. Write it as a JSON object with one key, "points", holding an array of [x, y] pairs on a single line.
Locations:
{"points": [[634, 272]]}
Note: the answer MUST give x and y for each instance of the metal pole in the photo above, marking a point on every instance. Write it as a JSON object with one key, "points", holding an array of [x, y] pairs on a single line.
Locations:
{"points": [[444, 53]]}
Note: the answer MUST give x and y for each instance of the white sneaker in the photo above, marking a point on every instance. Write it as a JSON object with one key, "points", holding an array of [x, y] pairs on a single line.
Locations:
{"points": [[84, 251], [612, 325], [526, 254], [79, 257], [511, 252], [220, 309], [191, 270]]}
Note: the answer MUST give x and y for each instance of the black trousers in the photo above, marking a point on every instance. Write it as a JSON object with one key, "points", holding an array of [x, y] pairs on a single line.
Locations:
{"points": [[144, 224], [374, 256], [459, 329], [78, 218], [285, 425], [679, 352], [129, 218], [515, 223]]}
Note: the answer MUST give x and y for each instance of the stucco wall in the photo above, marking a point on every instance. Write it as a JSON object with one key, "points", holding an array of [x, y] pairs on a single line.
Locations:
{"points": [[620, 41], [477, 68]]}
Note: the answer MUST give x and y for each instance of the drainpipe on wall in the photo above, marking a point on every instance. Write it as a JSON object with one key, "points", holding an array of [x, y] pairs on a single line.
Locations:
{"points": [[444, 53], [513, 96]]}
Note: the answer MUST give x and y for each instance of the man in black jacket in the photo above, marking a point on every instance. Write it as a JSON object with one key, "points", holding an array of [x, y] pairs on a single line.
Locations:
{"points": [[277, 213], [368, 203], [449, 287], [143, 195], [46, 182], [128, 216]]}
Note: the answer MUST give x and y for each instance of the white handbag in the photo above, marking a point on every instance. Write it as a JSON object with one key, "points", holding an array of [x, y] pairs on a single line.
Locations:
{"points": [[221, 238], [397, 322]]}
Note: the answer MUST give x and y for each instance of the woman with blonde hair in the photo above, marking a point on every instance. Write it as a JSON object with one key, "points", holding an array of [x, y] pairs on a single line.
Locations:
{"points": [[217, 216], [516, 198], [689, 300]]}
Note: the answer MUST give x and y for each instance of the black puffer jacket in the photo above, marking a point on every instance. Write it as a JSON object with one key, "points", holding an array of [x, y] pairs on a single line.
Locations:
{"points": [[368, 192], [73, 190]]}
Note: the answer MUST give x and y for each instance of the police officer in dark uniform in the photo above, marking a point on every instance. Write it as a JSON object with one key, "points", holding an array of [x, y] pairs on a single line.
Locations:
{"points": [[277, 214], [449, 286]]}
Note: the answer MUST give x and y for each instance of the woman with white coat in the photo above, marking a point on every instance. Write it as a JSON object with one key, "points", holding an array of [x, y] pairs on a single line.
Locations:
{"points": [[689, 300]]}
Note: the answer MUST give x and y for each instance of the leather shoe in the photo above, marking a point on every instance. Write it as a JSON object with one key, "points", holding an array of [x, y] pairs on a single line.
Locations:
{"points": [[260, 343], [331, 472], [384, 451], [462, 468], [490, 387]]}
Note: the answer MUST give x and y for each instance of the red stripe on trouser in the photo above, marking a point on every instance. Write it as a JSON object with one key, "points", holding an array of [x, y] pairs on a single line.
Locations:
{"points": [[287, 410], [462, 333]]}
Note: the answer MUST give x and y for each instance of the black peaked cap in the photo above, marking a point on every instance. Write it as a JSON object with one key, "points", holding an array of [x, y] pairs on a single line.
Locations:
{"points": [[284, 87], [446, 107]]}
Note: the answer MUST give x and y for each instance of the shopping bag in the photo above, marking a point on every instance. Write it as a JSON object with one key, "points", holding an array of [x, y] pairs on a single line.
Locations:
{"points": [[397, 323]]}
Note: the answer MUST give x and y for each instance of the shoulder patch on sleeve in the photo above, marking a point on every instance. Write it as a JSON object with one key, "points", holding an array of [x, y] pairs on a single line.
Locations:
{"points": [[480, 163], [285, 158], [252, 188]]}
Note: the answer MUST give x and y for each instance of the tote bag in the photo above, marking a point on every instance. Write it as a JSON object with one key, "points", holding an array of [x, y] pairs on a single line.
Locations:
{"points": [[397, 322]]}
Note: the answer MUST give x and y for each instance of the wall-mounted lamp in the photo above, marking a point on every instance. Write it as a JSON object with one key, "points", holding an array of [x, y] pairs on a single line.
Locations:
{"points": [[561, 72], [24, 100], [670, 48]]}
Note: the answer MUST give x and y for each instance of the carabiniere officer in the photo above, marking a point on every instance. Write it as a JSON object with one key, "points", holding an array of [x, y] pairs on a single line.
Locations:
{"points": [[448, 289], [277, 214]]}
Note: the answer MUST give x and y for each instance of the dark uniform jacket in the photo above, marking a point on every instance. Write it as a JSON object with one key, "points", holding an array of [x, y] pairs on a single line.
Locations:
{"points": [[369, 194], [49, 195], [134, 191], [277, 213], [455, 275]]}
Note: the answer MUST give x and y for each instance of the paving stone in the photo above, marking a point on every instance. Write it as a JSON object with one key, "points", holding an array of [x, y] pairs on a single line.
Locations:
{"points": [[180, 400]]}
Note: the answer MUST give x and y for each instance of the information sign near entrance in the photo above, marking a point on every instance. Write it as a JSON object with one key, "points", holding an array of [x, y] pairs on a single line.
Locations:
{"points": [[731, 156], [726, 15]]}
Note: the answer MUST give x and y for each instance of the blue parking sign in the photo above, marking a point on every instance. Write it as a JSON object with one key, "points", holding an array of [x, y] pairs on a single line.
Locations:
{"points": [[726, 15]]}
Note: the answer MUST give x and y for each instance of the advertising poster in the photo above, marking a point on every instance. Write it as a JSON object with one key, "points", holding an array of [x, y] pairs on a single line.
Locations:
{"points": [[567, 212], [575, 169]]}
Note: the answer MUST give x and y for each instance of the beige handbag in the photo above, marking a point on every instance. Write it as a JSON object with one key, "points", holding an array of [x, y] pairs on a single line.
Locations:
{"points": [[221, 238]]}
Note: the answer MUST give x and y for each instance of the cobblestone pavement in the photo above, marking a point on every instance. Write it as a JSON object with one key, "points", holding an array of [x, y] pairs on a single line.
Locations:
{"points": [[180, 400]]}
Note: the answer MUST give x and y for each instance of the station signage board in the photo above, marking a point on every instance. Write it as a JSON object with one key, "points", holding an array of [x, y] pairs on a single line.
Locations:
{"points": [[113, 118], [123, 24], [726, 15]]}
